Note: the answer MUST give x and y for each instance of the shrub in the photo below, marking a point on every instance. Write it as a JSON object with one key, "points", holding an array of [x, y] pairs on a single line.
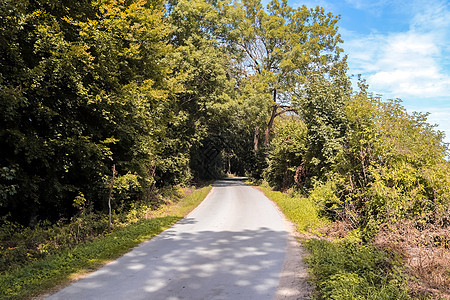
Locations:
{"points": [[348, 270]]}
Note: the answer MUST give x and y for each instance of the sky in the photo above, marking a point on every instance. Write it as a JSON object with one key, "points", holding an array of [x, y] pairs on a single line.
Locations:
{"points": [[402, 49]]}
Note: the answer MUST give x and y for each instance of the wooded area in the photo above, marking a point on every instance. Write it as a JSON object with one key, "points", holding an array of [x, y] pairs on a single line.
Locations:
{"points": [[176, 92]]}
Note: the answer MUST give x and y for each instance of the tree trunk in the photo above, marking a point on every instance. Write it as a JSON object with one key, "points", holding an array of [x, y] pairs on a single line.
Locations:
{"points": [[270, 124], [272, 118], [110, 196], [256, 139]]}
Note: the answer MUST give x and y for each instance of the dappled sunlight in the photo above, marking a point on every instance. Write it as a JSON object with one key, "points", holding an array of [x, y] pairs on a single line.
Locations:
{"points": [[191, 265], [220, 251]]}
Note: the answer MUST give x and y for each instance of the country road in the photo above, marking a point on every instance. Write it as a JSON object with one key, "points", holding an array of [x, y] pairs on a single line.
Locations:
{"points": [[232, 246]]}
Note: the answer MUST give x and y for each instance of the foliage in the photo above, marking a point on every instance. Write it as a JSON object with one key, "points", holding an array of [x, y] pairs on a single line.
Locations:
{"points": [[281, 47], [323, 111], [286, 156], [393, 165], [347, 270], [170, 92], [85, 85], [207, 81], [281, 44]]}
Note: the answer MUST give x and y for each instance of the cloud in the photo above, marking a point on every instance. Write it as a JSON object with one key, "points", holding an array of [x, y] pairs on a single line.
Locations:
{"points": [[405, 64], [431, 16], [413, 65]]}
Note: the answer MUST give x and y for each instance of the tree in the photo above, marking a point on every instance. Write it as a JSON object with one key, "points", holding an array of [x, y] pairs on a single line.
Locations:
{"points": [[322, 108], [83, 85], [282, 47], [286, 165]]}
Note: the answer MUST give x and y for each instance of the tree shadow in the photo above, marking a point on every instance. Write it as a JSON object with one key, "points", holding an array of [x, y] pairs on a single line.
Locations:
{"points": [[191, 265], [229, 182]]}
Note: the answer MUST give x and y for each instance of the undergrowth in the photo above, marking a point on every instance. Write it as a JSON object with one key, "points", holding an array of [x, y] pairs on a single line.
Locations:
{"points": [[348, 270], [343, 268], [45, 271]]}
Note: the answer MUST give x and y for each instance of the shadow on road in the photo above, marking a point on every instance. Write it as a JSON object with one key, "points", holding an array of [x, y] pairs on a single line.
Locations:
{"points": [[228, 182], [199, 265]]}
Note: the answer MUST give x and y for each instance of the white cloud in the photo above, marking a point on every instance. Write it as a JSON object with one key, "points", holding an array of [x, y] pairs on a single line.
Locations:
{"points": [[431, 16], [405, 64], [376, 7], [413, 65]]}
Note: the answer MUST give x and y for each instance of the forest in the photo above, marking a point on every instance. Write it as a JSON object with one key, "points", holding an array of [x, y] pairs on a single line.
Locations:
{"points": [[137, 97]]}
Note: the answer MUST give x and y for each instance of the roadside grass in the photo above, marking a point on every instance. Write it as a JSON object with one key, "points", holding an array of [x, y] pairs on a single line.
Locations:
{"points": [[58, 269], [348, 270], [345, 268], [300, 210]]}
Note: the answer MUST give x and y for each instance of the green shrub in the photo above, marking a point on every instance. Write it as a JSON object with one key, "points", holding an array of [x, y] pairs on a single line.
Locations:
{"points": [[285, 160], [347, 270]]}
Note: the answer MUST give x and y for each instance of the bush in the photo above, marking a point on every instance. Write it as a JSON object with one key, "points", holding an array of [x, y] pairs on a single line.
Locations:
{"points": [[285, 159], [348, 270]]}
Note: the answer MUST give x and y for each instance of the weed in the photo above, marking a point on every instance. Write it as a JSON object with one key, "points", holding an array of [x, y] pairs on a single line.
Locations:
{"points": [[347, 270]]}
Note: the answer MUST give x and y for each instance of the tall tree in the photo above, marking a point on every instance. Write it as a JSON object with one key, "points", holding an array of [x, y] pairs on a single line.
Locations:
{"points": [[283, 46], [83, 85]]}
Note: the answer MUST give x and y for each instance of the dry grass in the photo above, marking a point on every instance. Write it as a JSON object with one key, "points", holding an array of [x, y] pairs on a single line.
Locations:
{"points": [[425, 251], [337, 230]]}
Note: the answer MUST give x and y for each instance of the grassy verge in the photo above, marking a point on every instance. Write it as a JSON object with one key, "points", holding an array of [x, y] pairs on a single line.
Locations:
{"points": [[299, 210], [58, 269], [348, 270], [342, 268]]}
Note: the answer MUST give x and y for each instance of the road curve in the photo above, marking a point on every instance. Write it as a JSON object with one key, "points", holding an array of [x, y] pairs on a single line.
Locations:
{"points": [[232, 246]]}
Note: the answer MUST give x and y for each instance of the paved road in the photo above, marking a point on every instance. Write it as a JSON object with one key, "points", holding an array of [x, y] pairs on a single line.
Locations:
{"points": [[232, 246]]}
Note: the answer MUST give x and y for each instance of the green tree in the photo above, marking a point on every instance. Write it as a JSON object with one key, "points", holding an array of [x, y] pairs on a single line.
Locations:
{"points": [[286, 158], [211, 98], [283, 46], [322, 108], [392, 166], [83, 85]]}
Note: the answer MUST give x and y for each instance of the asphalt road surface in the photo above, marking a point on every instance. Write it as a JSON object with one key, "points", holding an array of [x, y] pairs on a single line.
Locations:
{"points": [[232, 246]]}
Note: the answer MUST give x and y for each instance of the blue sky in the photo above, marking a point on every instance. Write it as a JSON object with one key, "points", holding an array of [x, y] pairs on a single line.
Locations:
{"points": [[402, 49]]}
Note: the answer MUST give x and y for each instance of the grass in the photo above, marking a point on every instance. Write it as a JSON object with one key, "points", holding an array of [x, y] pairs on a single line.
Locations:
{"points": [[347, 270], [342, 268], [299, 210], [58, 269]]}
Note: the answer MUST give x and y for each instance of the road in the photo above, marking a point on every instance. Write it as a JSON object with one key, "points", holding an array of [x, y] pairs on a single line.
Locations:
{"points": [[232, 246]]}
